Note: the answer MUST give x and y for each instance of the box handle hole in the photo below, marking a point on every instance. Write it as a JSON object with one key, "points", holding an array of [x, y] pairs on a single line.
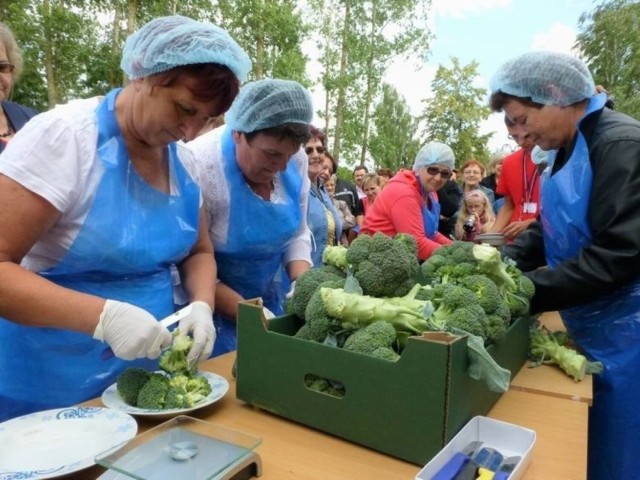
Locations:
{"points": [[326, 386]]}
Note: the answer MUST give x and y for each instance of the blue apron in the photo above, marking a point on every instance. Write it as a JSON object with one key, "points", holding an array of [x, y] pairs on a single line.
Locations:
{"points": [[250, 261], [607, 329], [430, 216], [123, 251], [319, 203]]}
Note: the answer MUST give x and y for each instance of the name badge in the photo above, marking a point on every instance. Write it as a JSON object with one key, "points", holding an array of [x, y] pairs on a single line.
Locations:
{"points": [[530, 207]]}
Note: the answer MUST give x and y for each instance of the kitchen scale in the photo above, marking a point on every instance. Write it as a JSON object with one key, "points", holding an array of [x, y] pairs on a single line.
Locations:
{"points": [[184, 447]]}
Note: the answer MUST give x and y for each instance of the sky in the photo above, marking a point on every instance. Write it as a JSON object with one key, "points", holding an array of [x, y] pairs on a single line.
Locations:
{"points": [[490, 32]]}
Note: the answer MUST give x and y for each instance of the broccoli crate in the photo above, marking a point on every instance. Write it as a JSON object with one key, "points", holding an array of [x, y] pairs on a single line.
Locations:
{"points": [[408, 409]]}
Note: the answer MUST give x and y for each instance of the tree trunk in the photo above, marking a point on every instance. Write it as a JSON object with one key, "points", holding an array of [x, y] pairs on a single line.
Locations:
{"points": [[340, 105], [115, 45], [52, 87], [370, 87], [132, 7]]}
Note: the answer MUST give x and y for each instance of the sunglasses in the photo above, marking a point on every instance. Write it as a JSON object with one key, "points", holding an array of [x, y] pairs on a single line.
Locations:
{"points": [[7, 67], [310, 150], [444, 174]]}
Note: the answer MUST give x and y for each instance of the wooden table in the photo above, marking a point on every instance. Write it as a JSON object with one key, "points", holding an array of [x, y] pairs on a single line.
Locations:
{"points": [[293, 451]]}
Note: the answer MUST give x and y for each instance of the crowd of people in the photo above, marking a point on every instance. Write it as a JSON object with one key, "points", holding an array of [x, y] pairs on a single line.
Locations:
{"points": [[136, 206]]}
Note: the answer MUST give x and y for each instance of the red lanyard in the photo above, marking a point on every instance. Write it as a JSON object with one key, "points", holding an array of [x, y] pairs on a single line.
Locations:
{"points": [[528, 182]]}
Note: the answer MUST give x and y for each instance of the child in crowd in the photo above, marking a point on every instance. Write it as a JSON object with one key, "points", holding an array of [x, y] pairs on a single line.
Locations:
{"points": [[371, 186], [476, 216]]}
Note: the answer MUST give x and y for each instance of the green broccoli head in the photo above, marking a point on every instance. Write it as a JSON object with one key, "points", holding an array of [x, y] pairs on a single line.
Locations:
{"points": [[176, 398], [496, 328], [174, 360], [318, 323], [369, 338], [430, 267], [335, 256], [130, 382], [408, 241], [485, 290], [471, 319], [385, 353], [307, 284], [384, 267], [152, 395]]}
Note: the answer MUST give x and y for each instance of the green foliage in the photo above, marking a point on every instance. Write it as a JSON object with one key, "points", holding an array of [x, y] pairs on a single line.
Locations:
{"points": [[454, 113], [609, 41], [393, 144]]}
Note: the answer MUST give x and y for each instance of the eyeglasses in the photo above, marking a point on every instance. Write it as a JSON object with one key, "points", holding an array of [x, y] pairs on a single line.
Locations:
{"points": [[7, 67], [444, 174], [310, 150]]}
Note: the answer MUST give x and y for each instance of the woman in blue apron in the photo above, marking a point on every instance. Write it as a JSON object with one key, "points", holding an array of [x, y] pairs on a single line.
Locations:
{"points": [[588, 227], [261, 169], [133, 214]]}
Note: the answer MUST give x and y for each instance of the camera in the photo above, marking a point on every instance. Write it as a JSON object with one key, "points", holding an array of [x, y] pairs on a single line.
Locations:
{"points": [[469, 224]]}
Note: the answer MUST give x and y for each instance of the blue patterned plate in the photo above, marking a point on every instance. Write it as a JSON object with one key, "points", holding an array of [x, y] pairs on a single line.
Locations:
{"points": [[219, 387], [57, 442]]}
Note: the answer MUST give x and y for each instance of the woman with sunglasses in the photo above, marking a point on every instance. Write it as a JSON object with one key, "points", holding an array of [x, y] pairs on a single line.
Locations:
{"points": [[253, 174], [12, 115], [323, 219], [96, 208], [409, 203]]}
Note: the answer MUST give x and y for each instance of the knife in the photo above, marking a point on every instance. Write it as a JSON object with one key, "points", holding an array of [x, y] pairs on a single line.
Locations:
{"points": [[166, 322]]}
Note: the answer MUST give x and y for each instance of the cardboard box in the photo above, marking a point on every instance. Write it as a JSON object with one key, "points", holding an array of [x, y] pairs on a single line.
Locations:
{"points": [[408, 409], [512, 441]]}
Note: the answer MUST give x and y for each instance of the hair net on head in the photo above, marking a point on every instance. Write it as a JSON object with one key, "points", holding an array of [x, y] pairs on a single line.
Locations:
{"points": [[169, 42], [269, 103], [549, 78], [432, 153]]}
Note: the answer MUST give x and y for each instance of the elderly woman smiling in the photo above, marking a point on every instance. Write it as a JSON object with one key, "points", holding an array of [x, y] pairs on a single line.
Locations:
{"points": [[409, 203], [110, 208]]}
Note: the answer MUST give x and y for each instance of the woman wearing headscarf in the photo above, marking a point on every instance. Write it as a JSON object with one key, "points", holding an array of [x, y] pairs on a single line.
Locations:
{"points": [[587, 234], [253, 174], [13, 116], [110, 209], [409, 203]]}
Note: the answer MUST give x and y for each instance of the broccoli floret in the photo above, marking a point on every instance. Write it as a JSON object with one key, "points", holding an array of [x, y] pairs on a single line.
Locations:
{"points": [[458, 308], [526, 287], [496, 328], [370, 338], [385, 353], [485, 290], [335, 256], [409, 242], [130, 382], [318, 323], [306, 285], [197, 389], [430, 267], [152, 395], [460, 252], [176, 398], [174, 360], [384, 267]]}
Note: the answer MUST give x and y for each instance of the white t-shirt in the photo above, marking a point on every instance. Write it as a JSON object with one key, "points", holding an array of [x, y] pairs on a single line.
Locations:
{"points": [[208, 168], [54, 155]]}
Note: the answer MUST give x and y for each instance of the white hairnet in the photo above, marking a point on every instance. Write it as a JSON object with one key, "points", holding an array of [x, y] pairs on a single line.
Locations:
{"points": [[432, 153], [175, 41], [548, 78], [268, 103]]}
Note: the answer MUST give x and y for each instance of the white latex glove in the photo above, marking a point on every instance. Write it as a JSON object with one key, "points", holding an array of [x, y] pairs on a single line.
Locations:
{"points": [[131, 332], [290, 292], [268, 314], [199, 324]]}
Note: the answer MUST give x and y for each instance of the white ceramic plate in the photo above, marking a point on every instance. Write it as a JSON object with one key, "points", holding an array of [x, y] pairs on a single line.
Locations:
{"points": [[57, 442], [219, 386]]}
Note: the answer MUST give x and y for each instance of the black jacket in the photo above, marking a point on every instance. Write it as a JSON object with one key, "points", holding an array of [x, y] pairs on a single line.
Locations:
{"points": [[449, 197], [613, 258], [348, 192]]}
